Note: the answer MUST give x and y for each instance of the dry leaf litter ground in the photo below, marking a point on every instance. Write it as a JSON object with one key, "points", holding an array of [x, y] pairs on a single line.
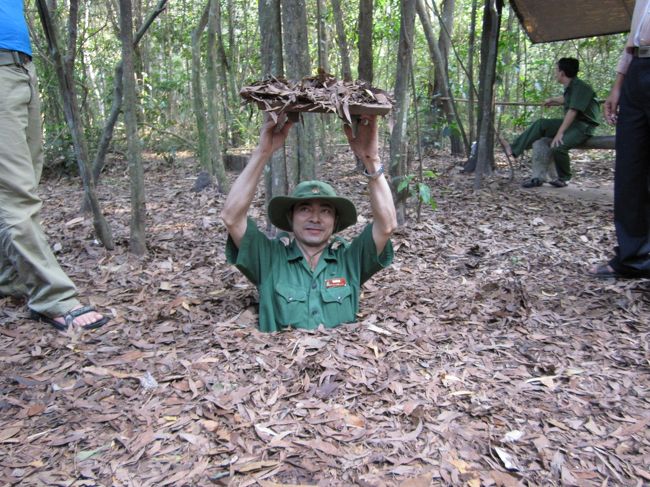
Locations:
{"points": [[483, 356]]}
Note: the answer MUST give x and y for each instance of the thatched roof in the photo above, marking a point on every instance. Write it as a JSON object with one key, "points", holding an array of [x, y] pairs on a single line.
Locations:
{"points": [[557, 20]]}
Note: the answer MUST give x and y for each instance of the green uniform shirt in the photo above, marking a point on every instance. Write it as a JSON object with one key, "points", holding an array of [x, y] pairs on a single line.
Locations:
{"points": [[291, 294], [582, 98]]}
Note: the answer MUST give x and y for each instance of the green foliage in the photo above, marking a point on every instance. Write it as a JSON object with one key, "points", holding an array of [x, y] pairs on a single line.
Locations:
{"points": [[163, 64], [451, 130], [59, 153], [419, 189]]}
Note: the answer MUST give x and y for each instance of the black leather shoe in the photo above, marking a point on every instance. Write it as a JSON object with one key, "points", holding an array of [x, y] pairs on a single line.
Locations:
{"points": [[606, 271], [533, 183], [558, 183]]}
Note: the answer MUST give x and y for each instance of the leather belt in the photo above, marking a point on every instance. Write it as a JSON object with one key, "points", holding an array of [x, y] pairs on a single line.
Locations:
{"points": [[639, 51], [14, 57]]}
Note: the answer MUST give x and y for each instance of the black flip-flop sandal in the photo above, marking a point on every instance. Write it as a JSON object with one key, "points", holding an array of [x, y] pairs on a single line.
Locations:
{"points": [[604, 271], [69, 318]]}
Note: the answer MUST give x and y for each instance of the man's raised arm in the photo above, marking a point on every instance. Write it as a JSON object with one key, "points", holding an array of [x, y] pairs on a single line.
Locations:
{"points": [[365, 146], [241, 194]]}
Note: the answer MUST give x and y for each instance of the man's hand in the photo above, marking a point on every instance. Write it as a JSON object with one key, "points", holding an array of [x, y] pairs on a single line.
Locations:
{"points": [[611, 107], [272, 134], [569, 118], [611, 104], [554, 102], [558, 139], [366, 143]]}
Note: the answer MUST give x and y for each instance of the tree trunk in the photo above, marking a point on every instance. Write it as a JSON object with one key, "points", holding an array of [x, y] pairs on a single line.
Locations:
{"points": [[137, 241], [324, 66], [506, 52], [140, 59], [519, 91], [438, 62], [365, 70], [197, 93], [471, 110], [342, 41], [216, 153], [365, 66], [276, 182], [96, 103], [459, 144], [489, 47], [323, 51], [116, 105], [228, 83], [399, 139], [65, 75], [236, 133], [296, 55]]}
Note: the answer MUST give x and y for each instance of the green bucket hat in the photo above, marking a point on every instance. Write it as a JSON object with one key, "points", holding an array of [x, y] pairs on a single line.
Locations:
{"points": [[280, 206]]}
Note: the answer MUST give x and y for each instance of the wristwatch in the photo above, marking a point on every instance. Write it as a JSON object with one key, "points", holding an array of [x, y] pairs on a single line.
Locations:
{"points": [[375, 174]]}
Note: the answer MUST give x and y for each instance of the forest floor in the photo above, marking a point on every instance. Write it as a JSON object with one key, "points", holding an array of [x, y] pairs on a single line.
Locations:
{"points": [[483, 356]]}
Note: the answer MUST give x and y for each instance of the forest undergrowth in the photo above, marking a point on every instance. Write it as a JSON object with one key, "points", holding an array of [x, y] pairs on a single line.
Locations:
{"points": [[483, 356]]}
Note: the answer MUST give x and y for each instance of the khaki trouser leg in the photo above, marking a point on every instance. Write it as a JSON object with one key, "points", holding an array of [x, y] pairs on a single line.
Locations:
{"points": [[27, 264]]}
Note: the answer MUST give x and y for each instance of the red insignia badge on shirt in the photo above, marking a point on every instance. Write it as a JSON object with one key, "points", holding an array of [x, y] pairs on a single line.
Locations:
{"points": [[335, 282]]}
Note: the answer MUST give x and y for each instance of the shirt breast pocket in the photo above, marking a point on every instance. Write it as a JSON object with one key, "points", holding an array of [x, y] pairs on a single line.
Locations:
{"points": [[291, 305], [337, 304]]}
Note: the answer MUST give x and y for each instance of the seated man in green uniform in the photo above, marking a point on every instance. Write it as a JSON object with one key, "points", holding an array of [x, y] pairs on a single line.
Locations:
{"points": [[581, 114], [312, 279]]}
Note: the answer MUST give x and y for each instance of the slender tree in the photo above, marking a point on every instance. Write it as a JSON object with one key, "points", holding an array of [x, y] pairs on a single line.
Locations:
{"points": [[65, 74], [137, 242], [365, 70], [471, 109], [270, 22], [366, 64], [323, 38], [342, 41], [197, 92], [116, 104], [438, 62], [297, 65], [227, 74], [399, 139], [459, 145], [323, 66], [212, 95], [489, 47], [506, 52]]}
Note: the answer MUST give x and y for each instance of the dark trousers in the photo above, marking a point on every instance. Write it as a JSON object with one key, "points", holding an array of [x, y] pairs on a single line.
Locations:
{"points": [[575, 135], [632, 177]]}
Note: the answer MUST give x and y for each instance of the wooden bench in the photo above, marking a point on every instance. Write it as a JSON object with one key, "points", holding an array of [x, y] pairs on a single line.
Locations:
{"points": [[599, 142]]}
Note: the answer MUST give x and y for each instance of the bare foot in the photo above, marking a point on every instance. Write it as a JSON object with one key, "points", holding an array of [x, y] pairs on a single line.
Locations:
{"points": [[78, 318], [82, 321]]}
